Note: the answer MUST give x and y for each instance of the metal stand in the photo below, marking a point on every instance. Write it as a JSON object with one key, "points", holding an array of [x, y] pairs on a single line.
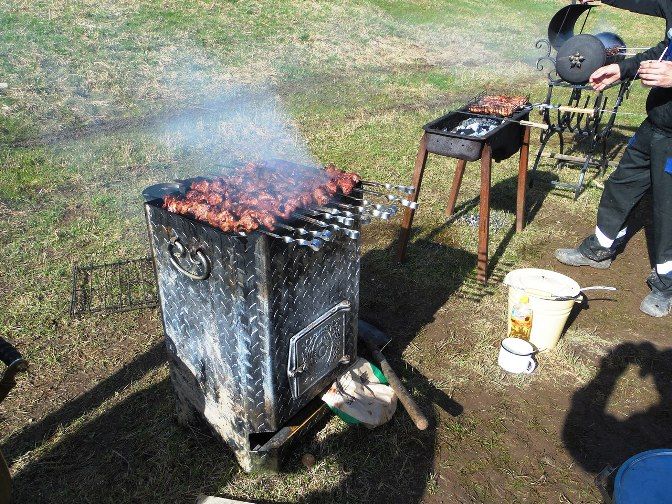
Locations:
{"points": [[587, 115], [484, 208]]}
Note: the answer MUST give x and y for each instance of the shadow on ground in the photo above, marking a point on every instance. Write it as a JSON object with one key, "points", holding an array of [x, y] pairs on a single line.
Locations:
{"points": [[594, 436]]}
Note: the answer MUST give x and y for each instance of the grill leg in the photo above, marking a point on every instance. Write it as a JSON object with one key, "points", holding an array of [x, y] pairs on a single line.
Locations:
{"points": [[420, 161], [484, 214], [455, 189], [522, 180]]}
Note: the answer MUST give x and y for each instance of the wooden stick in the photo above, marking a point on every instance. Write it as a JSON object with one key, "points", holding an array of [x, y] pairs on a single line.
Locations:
{"points": [[534, 124], [418, 417], [576, 110]]}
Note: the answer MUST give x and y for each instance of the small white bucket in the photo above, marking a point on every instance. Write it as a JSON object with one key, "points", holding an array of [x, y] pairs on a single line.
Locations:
{"points": [[549, 315]]}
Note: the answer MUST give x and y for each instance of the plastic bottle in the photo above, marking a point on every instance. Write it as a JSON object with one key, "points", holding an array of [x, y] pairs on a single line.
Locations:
{"points": [[521, 319]]}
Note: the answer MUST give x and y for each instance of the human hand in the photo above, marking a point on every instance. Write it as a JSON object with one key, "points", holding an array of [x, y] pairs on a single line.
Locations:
{"points": [[604, 76], [656, 73]]}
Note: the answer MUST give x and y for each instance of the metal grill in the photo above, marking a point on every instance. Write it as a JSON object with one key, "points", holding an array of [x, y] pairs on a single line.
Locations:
{"points": [[255, 327], [114, 287]]}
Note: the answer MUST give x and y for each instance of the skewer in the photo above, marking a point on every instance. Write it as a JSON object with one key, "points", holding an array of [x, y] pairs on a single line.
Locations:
{"points": [[659, 59], [353, 208], [313, 244], [391, 197], [390, 187], [347, 221], [336, 211], [324, 235], [350, 233], [375, 206]]}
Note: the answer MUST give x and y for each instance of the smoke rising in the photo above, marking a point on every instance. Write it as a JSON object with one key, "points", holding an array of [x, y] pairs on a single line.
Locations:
{"points": [[237, 127]]}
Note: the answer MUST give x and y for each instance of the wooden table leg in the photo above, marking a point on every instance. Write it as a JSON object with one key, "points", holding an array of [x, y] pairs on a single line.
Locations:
{"points": [[420, 161], [522, 180], [455, 189], [484, 214]]}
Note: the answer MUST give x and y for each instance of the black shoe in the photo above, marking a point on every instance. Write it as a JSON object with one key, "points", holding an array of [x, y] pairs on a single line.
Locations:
{"points": [[657, 304], [573, 257]]}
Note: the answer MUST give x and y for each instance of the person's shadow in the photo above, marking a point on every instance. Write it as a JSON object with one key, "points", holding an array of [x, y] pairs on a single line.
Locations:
{"points": [[596, 438]]}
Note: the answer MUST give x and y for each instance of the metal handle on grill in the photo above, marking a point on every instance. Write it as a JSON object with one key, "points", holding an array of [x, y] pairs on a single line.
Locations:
{"points": [[202, 259]]}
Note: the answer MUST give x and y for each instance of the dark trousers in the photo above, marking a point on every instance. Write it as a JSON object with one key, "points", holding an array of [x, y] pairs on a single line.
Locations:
{"points": [[643, 166]]}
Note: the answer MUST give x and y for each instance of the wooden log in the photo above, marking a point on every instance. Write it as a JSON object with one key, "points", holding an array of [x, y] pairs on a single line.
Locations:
{"points": [[455, 188], [484, 214], [420, 162], [522, 180]]}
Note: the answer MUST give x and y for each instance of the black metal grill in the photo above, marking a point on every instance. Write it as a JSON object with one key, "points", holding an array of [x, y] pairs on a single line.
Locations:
{"points": [[505, 140], [255, 327]]}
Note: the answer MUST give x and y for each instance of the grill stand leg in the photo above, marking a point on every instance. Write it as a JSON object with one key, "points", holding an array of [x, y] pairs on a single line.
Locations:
{"points": [[455, 188], [484, 214], [420, 162], [522, 180]]}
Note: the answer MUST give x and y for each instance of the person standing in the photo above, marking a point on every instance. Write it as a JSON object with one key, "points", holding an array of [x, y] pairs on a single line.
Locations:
{"points": [[646, 164]]}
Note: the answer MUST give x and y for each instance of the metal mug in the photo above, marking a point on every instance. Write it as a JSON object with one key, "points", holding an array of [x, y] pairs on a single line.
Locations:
{"points": [[516, 356]]}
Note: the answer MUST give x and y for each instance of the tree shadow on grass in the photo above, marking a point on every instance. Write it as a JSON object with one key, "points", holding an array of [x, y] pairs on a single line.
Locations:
{"points": [[32, 436]]}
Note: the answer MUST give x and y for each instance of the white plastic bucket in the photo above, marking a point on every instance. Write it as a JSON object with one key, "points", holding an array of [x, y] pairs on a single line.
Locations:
{"points": [[549, 315]]}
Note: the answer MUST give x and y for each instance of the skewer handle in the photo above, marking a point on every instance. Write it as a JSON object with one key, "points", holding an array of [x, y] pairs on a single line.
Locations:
{"points": [[534, 125], [576, 110]]}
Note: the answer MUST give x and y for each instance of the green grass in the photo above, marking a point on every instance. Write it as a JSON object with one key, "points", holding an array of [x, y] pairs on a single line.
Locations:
{"points": [[94, 88]]}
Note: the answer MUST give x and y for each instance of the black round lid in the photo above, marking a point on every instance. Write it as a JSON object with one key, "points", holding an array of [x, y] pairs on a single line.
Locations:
{"points": [[579, 57]]}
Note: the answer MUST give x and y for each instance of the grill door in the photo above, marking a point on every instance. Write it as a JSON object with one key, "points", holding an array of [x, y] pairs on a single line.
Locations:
{"points": [[317, 350]]}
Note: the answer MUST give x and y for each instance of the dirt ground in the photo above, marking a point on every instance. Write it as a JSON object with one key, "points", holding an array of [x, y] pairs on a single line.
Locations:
{"points": [[559, 436], [92, 87]]}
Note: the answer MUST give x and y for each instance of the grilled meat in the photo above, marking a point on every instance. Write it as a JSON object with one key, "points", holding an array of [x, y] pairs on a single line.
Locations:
{"points": [[259, 194], [499, 105]]}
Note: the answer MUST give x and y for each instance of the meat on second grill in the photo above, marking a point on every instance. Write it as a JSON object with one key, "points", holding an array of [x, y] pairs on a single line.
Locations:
{"points": [[258, 195], [501, 105]]}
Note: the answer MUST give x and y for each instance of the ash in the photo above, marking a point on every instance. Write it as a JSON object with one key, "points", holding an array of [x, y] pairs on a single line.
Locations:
{"points": [[475, 126]]}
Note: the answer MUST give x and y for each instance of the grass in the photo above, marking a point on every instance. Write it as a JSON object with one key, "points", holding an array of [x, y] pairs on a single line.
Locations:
{"points": [[107, 97]]}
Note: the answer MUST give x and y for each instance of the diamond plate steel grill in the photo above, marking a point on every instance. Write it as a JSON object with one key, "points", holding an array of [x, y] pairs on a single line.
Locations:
{"points": [[234, 309]]}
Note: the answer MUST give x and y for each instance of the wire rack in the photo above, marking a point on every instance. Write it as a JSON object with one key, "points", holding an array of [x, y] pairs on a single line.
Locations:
{"points": [[114, 287]]}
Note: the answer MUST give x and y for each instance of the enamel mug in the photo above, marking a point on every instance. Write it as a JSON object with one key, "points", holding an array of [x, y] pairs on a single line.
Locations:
{"points": [[516, 356]]}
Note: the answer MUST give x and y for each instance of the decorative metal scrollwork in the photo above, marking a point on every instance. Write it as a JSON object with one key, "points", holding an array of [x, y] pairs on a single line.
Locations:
{"points": [[545, 44]]}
